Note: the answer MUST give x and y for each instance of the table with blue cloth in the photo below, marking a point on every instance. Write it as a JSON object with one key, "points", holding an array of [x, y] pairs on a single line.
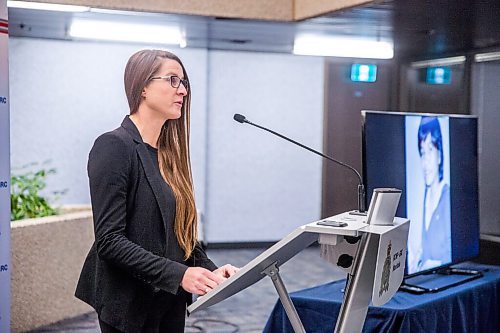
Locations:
{"points": [[471, 307]]}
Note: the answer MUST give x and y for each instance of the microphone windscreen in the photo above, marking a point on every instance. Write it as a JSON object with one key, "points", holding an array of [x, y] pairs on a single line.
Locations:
{"points": [[239, 118]]}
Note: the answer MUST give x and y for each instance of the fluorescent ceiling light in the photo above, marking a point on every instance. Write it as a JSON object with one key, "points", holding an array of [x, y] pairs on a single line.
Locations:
{"points": [[439, 62], [126, 32], [490, 56], [309, 44], [47, 6]]}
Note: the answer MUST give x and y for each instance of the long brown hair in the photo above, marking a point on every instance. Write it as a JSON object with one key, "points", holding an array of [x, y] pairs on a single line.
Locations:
{"points": [[173, 143]]}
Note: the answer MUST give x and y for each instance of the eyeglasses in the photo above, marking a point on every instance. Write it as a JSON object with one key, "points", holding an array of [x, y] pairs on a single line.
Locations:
{"points": [[175, 81]]}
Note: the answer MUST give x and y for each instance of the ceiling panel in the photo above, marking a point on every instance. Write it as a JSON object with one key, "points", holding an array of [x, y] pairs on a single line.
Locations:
{"points": [[373, 20], [420, 29]]}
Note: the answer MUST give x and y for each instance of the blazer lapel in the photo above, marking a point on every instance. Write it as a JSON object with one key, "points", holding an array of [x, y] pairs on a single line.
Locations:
{"points": [[154, 180]]}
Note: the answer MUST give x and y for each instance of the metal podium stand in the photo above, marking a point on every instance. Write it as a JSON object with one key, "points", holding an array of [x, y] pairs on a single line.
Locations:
{"points": [[376, 274]]}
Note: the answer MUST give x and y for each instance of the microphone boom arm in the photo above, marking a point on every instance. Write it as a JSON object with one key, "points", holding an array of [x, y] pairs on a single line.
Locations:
{"points": [[360, 180], [361, 187]]}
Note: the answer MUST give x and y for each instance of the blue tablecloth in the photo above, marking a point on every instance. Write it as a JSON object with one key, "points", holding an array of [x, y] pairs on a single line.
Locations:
{"points": [[468, 308]]}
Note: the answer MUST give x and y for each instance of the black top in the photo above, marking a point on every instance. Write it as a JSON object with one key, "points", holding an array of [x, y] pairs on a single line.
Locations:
{"points": [[135, 253], [168, 194]]}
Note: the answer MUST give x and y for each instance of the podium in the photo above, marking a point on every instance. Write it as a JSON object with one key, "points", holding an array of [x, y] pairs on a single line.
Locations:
{"points": [[374, 276]]}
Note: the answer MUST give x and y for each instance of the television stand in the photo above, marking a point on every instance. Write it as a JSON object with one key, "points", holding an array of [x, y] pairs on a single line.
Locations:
{"points": [[429, 282]]}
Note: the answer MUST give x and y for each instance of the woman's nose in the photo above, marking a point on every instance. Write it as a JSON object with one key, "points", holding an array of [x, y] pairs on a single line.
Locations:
{"points": [[181, 90]]}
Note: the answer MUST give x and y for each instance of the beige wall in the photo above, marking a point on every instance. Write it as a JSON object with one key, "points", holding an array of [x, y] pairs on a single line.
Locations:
{"points": [[47, 256]]}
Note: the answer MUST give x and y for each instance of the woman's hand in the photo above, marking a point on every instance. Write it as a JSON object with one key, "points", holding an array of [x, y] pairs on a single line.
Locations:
{"points": [[199, 281], [226, 271]]}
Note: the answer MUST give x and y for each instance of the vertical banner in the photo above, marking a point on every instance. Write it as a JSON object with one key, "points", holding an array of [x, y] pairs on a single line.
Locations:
{"points": [[4, 173]]}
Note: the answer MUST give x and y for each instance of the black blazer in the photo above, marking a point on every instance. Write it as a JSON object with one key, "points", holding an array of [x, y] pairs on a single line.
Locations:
{"points": [[135, 253]]}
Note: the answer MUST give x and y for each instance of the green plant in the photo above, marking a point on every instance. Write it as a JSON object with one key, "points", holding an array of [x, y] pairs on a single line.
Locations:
{"points": [[25, 198]]}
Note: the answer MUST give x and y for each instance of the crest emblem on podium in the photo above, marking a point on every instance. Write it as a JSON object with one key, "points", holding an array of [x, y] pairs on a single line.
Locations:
{"points": [[386, 272]]}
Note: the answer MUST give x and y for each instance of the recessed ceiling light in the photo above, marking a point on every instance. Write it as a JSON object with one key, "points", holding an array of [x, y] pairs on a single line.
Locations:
{"points": [[46, 6], [439, 62], [320, 45], [125, 32]]}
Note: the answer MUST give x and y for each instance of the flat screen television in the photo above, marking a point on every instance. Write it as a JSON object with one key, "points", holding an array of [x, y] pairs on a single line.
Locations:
{"points": [[433, 159]]}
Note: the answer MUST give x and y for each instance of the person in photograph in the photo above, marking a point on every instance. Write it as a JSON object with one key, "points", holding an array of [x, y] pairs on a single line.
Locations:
{"points": [[146, 263], [436, 226]]}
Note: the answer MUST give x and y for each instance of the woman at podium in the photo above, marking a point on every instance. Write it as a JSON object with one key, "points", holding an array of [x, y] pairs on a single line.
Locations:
{"points": [[146, 262]]}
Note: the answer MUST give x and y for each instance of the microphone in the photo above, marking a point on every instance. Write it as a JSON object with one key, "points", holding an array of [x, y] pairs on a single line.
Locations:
{"points": [[240, 118], [361, 188]]}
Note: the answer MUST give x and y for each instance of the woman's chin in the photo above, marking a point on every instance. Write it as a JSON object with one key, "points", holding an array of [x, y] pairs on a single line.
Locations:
{"points": [[174, 115]]}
